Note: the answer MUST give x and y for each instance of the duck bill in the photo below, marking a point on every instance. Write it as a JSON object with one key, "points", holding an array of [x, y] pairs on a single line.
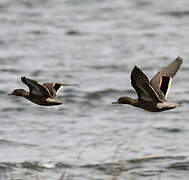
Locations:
{"points": [[10, 94], [116, 102]]}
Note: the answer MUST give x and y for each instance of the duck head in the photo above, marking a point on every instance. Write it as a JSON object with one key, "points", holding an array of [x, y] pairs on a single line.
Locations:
{"points": [[124, 100], [18, 92]]}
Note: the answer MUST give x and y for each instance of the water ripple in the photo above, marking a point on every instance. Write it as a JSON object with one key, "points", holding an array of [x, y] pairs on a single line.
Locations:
{"points": [[179, 166], [177, 14]]}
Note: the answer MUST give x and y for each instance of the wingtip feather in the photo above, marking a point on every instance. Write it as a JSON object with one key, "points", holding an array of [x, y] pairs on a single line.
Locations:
{"points": [[179, 59]]}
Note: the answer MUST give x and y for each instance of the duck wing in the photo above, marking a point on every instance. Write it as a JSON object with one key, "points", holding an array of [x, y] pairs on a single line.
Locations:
{"points": [[161, 82], [36, 88], [50, 86], [142, 86], [54, 88]]}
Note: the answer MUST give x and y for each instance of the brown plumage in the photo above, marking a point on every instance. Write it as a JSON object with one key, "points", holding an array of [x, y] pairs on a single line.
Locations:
{"points": [[152, 95], [45, 94]]}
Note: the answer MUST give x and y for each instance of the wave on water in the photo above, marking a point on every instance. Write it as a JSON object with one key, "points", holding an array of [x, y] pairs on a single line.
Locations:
{"points": [[107, 92], [179, 165], [169, 130], [177, 14], [14, 71], [90, 97], [103, 166], [16, 109], [112, 168]]}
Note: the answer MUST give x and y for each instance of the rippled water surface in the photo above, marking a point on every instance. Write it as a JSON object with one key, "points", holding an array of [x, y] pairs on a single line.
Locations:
{"points": [[95, 44]]}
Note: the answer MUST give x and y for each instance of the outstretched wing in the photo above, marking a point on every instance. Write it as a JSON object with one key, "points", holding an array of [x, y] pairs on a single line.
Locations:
{"points": [[35, 88], [50, 86], [54, 88], [161, 82], [142, 86]]}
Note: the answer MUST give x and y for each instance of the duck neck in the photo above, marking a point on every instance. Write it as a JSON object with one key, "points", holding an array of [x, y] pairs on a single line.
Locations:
{"points": [[25, 94], [134, 102]]}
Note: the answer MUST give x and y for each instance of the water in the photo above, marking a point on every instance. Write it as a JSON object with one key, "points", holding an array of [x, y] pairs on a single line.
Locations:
{"points": [[96, 44]]}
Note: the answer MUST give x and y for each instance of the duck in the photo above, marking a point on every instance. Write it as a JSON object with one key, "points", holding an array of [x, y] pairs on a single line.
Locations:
{"points": [[152, 95], [42, 94]]}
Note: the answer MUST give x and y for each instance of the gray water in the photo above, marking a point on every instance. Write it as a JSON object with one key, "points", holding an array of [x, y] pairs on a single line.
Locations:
{"points": [[95, 44]]}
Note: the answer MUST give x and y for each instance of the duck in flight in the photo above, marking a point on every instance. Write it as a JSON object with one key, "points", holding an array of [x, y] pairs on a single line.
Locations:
{"points": [[45, 94], [152, 95]]}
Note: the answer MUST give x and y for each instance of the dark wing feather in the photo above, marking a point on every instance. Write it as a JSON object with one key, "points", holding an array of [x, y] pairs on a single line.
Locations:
{"points": [[162, 80], [50, 87], [35, 88], [141, 84]]}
